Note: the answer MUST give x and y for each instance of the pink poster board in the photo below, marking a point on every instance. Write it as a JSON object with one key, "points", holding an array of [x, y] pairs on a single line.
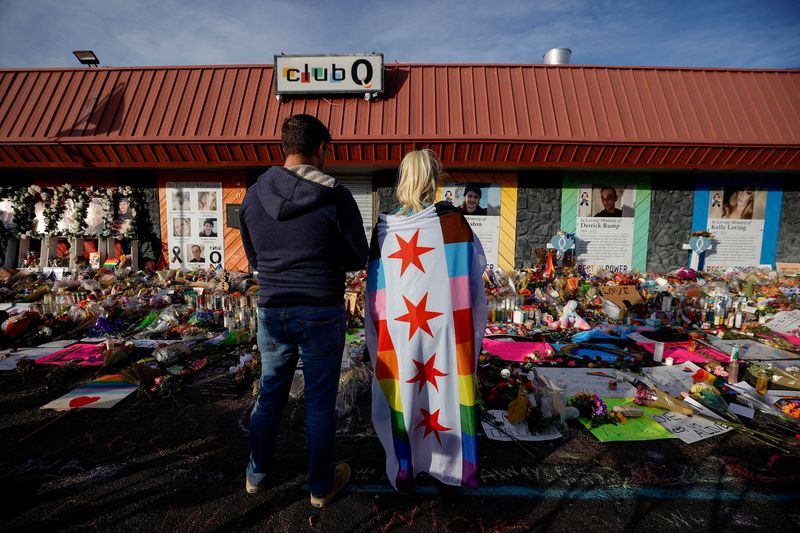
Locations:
{"points": [[83, 354], [515, 351]]}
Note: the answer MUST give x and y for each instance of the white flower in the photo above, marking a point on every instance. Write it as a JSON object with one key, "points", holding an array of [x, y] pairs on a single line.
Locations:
{"points": [[505, 373]]}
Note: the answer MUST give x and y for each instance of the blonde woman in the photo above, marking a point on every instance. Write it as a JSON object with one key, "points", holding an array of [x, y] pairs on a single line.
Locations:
{"points": [[426, 313], [416, 186]]}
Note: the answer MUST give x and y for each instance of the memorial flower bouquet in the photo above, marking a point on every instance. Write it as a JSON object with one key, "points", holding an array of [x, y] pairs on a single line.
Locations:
{"points": [[705, 234], [655, 397], [594, 409]]}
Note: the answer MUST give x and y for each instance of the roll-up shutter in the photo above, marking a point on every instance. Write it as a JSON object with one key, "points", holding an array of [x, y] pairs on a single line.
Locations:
{"points": [[361, 187]]}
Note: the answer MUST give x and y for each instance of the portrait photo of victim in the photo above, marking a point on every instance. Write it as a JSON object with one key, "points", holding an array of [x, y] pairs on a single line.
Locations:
{"points": [[209, 228], [207, 201], [610, 201], [94, 217], [472, 200], [181, 227], [124, 215], [197, 254], [180, 200], [608, 197], [738, 203]]}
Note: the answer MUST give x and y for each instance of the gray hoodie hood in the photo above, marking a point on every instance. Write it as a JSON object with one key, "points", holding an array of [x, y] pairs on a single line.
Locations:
{"points": [[287, 193]]}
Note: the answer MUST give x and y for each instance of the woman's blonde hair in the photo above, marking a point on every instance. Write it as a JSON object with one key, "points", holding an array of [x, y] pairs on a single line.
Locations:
{"points": [[416, 185], [731, 205]]}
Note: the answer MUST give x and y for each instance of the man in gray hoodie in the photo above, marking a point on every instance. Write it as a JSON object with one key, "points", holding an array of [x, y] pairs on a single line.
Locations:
{"points": [[301, 231]]}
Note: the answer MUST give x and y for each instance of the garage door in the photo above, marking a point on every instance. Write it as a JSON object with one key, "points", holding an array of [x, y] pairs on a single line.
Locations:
{"points": [[361, 187]]}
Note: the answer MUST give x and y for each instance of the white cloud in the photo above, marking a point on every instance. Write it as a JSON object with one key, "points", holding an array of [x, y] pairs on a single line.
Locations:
{"points": [[43, 33]]}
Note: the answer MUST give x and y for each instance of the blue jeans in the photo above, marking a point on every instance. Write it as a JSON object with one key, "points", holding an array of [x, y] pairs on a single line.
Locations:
{"points": [[315, 334]]}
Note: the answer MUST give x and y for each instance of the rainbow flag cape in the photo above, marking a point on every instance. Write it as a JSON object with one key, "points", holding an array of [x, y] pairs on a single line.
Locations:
{"points": [[426, 314]]}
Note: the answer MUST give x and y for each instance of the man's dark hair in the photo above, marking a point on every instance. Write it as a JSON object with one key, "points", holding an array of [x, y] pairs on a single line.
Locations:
{"points": [[473, 188], [302, 134]]}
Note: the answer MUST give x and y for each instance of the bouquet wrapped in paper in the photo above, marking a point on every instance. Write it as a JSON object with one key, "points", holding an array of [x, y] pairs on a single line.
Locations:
{"points": [[655, 397]]}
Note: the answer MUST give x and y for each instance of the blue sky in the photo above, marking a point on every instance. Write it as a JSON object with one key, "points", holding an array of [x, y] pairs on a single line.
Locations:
{"points": [[697, 33]]}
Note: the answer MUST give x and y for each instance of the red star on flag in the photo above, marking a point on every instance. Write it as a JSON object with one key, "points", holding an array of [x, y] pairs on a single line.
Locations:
{"points": [[417, 316], [431, 423], [409, 253], [427, 373]]}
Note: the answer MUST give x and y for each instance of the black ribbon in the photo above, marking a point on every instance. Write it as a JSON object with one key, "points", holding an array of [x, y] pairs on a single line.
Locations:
{"points": [[176, 254]]}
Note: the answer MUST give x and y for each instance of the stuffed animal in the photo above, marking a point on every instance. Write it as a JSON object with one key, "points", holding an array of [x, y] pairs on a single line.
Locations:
{"points": [[571, 319]]}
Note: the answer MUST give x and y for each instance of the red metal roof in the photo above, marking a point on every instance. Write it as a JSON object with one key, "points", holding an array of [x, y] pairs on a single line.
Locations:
{"points": [[520, 116]]}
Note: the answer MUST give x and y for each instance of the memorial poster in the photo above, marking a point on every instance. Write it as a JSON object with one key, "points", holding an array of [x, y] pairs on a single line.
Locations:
{"points": [[610, 217], [480, 203], [194, 225], [7, 214], [743, 217], [94, 217]]}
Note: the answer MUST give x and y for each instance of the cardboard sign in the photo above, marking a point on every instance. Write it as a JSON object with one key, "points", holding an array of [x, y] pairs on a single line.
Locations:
{"points": [[503, 430], [788, 269], [689, 429], [623, 295]]}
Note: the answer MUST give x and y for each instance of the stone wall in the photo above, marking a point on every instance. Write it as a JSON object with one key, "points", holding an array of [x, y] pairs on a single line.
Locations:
{"points": [[788, 250], [384, 184], [538, 213], [671, 207]]}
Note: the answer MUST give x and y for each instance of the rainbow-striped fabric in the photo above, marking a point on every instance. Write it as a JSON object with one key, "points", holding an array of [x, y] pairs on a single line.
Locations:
{"points": [[426, 314]]}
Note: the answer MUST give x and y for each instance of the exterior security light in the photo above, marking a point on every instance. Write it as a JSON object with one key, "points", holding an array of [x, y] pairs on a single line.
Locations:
{"points": [[87, 57]]}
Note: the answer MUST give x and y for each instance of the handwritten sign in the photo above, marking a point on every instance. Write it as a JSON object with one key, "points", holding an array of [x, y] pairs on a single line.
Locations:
{"points": [[788, 269], [601, 381], [503, 430], [672, 379], [785, 322], [622, 295], [689, 428], [752, 350]]}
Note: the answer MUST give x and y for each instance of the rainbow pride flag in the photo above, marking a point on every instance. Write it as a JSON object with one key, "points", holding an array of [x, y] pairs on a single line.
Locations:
{"points": [[426, 314]]}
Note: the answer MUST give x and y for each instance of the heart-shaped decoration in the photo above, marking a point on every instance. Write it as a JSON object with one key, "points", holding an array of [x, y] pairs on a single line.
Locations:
{"points": [[83, 401]]}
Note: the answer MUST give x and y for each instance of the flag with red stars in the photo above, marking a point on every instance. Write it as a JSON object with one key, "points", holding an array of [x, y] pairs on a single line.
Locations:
{"points": [[426, 314]]}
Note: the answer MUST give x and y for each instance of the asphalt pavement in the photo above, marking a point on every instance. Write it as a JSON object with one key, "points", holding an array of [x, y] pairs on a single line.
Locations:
{"points": [[151, 464]]}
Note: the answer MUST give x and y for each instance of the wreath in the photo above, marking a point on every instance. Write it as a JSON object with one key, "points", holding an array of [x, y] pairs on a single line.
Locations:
{"points": [[80, 200], [106, 197], [23, 200], [53, 201]]}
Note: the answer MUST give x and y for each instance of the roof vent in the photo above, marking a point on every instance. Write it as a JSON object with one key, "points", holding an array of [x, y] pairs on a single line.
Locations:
{"points": [[557, 56]]}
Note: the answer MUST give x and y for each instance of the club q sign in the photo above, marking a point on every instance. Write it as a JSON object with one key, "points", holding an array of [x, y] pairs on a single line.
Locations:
{"points": [[327, 74]]}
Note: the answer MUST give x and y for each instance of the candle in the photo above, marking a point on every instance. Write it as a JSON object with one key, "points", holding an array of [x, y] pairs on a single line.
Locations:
{"points": [[658, 353]]}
